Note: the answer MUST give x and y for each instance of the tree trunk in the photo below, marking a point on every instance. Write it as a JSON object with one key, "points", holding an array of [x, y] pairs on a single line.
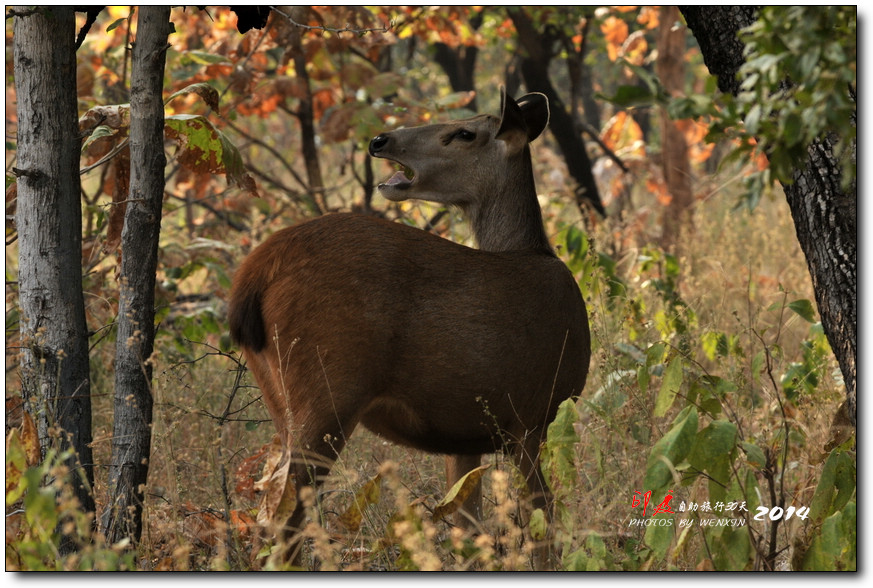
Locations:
{"points": [[306, 114], [131, 440], [54, 365], [459, 63], [670, 68], [535, 71], [825, 215]]}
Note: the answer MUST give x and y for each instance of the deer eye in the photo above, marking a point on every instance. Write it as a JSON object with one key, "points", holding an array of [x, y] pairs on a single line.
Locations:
{"points": [[462, 134]]}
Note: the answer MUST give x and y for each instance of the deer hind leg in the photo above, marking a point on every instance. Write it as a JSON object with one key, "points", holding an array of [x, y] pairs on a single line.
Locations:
{"points": [[312, 447], [527, 456], [471, 509]]}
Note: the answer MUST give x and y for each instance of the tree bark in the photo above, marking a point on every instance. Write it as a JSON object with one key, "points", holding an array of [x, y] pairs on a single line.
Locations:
{"points": [[306, 113], [670, 68], [535, 71], [131, 440], [824, 214], [54, 364], [459, 63]]}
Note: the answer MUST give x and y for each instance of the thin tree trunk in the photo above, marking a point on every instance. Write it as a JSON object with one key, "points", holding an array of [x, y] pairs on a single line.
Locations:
{"points": [[825, 215], [459, 63], [670, 67], [131, 441], [306, 114], [54, 365]]}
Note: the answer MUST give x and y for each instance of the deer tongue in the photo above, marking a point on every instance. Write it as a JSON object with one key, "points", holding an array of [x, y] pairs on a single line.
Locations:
{"points": [[398, 180]]}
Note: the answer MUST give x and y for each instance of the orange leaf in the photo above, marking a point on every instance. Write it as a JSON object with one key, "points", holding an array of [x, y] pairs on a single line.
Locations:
{"points": [[30, 440], [659, 189], [648, 17], [622, 133], [247, 473], [615, 31], [635, 48]]}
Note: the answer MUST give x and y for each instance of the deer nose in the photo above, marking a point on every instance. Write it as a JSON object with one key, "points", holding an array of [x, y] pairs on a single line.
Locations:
{"points": [[378, 143]]}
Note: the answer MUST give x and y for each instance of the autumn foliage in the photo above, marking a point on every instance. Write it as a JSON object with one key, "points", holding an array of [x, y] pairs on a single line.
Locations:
{"points": [[269, 127]]}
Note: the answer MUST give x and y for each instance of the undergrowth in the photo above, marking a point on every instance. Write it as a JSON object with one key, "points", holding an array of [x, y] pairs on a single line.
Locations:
{"points": [[712, 395]]}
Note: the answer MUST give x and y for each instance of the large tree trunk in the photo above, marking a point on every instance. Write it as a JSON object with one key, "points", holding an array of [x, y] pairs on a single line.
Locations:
{"points": [[54, 365], [825, 215], [131, 440]]}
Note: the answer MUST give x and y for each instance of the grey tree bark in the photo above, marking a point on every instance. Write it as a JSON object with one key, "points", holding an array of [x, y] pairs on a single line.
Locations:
{"points": [[825, 215], [131, 440], [54, 360]]}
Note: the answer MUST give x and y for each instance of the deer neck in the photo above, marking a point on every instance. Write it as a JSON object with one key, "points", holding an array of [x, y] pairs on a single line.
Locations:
{"points": [[510, 219]]}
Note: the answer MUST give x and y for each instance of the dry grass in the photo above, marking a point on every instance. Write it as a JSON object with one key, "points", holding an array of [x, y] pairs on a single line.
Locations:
{"points": [[735, 271]]}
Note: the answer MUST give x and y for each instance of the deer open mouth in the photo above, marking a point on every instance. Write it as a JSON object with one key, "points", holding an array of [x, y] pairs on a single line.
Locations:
{"points": [[401, 179]]}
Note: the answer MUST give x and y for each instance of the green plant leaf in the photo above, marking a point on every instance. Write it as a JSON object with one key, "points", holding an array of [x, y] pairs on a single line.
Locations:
{"points": [[659, 537], [205, 149], [538, 525], [671, 449], [730, 547], [834, 547], [754, 455], [670, 384], [558, 459], [716, 440], [804, 309], [836, 485]]}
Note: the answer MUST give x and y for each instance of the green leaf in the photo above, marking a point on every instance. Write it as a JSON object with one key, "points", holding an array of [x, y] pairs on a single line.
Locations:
{"points": [[654, 354], [834, 547], [718, 439], [98, 133], [671, 449], [558, 459], [836, 485], [804, 309], [538, 525], [730, 548], [203, 58], [115, 24], [630, 96], [754, 455], [16, 464], [659, 537], [752, 119], [670, 384], [792, 132]]}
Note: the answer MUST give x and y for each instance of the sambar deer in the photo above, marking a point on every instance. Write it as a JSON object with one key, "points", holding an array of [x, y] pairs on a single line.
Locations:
{"points": [[350, 319]]}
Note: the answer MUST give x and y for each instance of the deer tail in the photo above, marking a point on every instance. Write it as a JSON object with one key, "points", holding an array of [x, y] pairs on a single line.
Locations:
{"points": [[245, 312]]}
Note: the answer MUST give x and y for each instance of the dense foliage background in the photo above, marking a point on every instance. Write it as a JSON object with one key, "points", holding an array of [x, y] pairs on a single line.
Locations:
{"points": [[707, 349]]}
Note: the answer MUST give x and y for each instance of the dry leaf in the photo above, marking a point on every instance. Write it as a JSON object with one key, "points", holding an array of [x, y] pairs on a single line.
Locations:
{"points": [[458, 493]]}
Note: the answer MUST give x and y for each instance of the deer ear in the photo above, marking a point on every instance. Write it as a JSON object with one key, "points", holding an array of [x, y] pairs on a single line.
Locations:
{"points": [[521, 122], [513, 128], [535, 109]]}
